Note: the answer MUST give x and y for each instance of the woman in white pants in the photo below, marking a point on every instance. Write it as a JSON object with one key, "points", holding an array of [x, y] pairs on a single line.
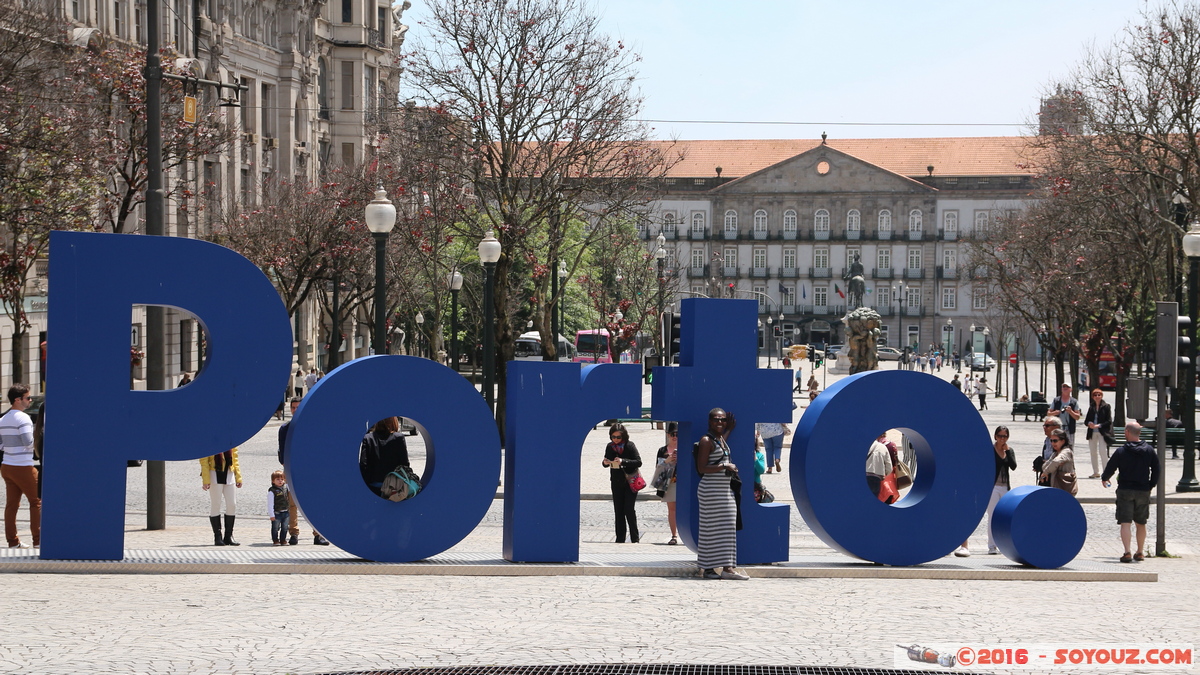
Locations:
{"points": [[1099, 430], [1005, 460], [222, 475]]}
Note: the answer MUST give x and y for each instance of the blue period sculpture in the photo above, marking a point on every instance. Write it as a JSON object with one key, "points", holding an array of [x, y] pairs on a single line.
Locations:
{"points": [[97, 423], [718, 369], [1039, 526]]}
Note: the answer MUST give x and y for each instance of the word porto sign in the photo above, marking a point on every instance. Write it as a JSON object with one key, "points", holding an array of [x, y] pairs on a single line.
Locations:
{"points": [[99, 423]]}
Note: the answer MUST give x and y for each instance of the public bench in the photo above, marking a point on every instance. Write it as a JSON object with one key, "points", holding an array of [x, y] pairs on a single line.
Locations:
{"points": [[1175, 437], [1027, 408]]}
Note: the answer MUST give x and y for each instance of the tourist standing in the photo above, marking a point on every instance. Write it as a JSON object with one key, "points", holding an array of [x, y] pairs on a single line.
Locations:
{"points": [[622, 458], [1099, 429], [1136, 466], [277, 508], [1006, 460], [1060, 468], [221, 474], [18, 470], [716, 545], [668, 462], [1066, 408]]}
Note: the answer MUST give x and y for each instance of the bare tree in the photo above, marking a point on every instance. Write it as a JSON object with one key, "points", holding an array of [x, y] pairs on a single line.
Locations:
{"points": [[545, 106]]}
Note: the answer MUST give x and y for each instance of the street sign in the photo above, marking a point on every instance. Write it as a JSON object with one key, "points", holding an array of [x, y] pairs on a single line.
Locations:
{"points": [[135, 336], [189, 109], [1012, 359]]}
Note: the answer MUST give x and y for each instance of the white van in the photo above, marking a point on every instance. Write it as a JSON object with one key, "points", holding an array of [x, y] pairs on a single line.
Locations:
{"points": [[529, 348]]}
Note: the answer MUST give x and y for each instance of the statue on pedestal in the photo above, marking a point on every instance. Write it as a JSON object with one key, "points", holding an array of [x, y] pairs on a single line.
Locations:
{"points": [[862, 335]]}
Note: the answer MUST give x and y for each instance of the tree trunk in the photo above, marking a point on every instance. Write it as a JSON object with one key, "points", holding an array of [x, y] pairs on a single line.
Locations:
{"points": [[18, 362]]}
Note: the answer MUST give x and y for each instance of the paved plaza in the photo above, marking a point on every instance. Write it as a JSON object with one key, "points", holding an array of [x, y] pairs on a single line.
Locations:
{"points": [[309, 623]]}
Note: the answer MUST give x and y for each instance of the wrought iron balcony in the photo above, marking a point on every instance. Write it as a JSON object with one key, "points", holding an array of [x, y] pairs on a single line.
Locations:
{"points": [[910, 273], [883, 273], [820, 272]]}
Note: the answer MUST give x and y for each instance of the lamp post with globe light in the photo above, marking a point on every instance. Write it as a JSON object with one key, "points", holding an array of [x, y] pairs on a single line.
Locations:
{"points": [[381, 218], [1191, 248], [489, 254], [456, 281], [562, 301], [660, 255]]}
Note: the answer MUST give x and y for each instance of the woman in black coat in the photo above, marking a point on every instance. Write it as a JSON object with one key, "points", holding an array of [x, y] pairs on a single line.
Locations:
{"points": [[622, 458], [1099, 429], [383, 449]]}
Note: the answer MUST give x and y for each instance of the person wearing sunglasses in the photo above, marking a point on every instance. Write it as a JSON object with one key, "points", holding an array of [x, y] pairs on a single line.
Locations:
{"points": [[716, 544], [667, 464], [1048, 426], [1006, 460], [18, 468], [622, 458], [1059, 470]]}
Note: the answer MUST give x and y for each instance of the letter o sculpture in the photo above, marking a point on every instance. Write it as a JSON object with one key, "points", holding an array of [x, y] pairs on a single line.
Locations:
{"points": [[952, 483]]}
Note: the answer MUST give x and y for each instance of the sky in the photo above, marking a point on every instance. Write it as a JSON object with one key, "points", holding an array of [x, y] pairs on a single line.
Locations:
{"points": [[851, 68]]}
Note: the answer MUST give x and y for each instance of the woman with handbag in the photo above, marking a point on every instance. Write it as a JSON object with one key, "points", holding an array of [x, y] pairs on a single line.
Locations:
{"points": [[1060, 468], [1099, 430], [716, 544], [622, 458], [1006, 460], [664, 476]]}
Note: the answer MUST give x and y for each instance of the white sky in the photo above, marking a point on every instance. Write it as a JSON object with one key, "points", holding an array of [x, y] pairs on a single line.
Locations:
{"points": [[932, 63]]}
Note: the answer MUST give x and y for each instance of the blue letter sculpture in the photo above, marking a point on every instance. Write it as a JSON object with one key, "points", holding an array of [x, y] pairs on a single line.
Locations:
{"points": [[551, 408], [97, 422], [953, 481], [719, 369], [461, 468]]}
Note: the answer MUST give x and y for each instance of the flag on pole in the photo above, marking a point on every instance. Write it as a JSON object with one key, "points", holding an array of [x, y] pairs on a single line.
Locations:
{"points": [[804, 291], [838, 290], [782, 288]]}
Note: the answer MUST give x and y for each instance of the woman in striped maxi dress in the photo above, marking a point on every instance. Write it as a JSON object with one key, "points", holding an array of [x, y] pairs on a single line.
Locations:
{"points": [[716, 545]]}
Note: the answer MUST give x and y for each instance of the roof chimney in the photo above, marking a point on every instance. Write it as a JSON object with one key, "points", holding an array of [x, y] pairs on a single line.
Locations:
{"points": [[930, 170], [718, 172]]}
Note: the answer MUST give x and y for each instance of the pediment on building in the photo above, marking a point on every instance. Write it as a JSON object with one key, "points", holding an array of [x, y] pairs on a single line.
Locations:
{"points": [[823, 169]]}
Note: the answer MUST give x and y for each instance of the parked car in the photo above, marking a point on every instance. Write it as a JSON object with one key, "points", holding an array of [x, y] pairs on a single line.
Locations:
{"points": [[982, 362], [888, 354], [834, 350]]}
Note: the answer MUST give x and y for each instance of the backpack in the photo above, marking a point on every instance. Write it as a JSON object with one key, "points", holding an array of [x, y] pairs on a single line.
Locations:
{"points": [[402, 483]]}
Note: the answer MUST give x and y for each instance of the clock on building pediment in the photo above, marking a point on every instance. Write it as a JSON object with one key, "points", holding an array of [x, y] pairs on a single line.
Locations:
{"points": [[820, 170]]}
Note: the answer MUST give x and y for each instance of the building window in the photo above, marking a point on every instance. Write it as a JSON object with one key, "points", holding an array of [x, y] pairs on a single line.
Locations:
{"points": [[821, 296], [853, 221], [369, 97], [788, 295], [669, 222], [731, 221], [789, 258], [949, 298], [698, 291], [851, 255], [914, 258], [915, 221], [789, 221], [912, 297], [697, 258], [950, 221], [760, 258], [981, 223], [821, 221], [760, 221], [883, 259], [979, 298], [821, 258], [698, 223], [760, 292], [347, 85], [950, 259], [118, 18], [347, 11], [323, 89], [347, 154], [730, 257], [885, 221], [268, 111], [883, 296]]}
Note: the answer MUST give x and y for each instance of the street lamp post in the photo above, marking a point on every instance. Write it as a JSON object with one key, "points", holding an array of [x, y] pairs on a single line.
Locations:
{"points": [[900, 326], [1191, 248], [1042, 349], [949, 337], [770, 337], [420, 336], [381, 218], [456, 280], [660, 255], [489, 253]]}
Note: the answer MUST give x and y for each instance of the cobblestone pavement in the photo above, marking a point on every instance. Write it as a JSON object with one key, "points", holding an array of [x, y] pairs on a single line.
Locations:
{"points": [[311, 623]]}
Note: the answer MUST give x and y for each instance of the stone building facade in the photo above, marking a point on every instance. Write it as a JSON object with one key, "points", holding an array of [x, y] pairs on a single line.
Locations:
{"points": [[783, 221]]}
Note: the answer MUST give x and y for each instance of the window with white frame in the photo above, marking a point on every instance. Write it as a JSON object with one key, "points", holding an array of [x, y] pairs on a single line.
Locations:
{"points": [[821, 221], [731, 221], [821, 258], [884, 335], [883, 296], [853, 221], [760, 221], [698, 292], [760, 258], [914, 258], [949, 298], [760, 292], [950, 259], [731, 257], [787, 295], [669, 222], [885, 221], [789, 258], [981, 223], [979, 298], [697, 258], [950, 222], [915, 221], [789, 221], [912, 297], [851, 254], [698, 223], [821, 296], [883, 258]]}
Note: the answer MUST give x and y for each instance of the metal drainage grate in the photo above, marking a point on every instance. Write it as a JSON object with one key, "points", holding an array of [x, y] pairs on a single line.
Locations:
{"points": [[640, 669]]}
